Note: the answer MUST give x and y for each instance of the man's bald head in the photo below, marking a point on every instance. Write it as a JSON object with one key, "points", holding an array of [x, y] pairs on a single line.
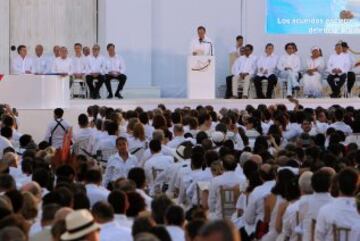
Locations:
{"points": [[62, 213], [267, 172], [34, 188], [257, 159]]}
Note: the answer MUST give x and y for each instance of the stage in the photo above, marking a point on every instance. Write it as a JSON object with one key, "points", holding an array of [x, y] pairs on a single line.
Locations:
{"points": [[34, 121]]}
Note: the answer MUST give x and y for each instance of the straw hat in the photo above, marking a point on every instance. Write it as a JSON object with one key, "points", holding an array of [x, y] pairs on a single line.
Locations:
{"points": [[78, 224]]}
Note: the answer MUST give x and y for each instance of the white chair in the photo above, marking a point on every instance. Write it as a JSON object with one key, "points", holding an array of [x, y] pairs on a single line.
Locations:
{"points": [[229, 197], [341, 233], [79, 89], [157, 186]]}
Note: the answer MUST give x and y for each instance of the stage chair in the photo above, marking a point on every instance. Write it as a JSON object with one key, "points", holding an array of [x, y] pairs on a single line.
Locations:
{"points": [[232, 58], [340, 233], [157, 186], [229, 197], [79, 89]]}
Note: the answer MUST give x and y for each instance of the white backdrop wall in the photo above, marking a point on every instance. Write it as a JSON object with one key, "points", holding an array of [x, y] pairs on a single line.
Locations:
{"points": [[154, 37], [4, 36], [255, 33]]}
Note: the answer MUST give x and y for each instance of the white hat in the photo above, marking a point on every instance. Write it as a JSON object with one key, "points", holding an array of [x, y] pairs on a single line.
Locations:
{"points": [[315, 48], [78, 224], [217, 137]]}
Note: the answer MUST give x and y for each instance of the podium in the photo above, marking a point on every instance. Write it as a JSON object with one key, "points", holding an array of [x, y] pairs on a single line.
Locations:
{"points": [[35, 91], [201, 77]]}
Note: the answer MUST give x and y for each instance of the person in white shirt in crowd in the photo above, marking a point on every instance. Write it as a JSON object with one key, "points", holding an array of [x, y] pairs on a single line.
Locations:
{"points": [[144, 119], [355, 230], [321, 122], [320, 182], [57, 129], [339, 123], [337, 67], [254, 212], [120, 203], [95, 71], [110, 229], [94, 190], [202, 45], [229, 179], [243, 70], [137, 174], [82, 136], [62, 64], [40, 62], [155, 165], [175, 220], [10, 121], [266, 67], [115, 69], [178, 136], [78, 64], [351, 77], [289, 66], [47, 220], [312, 79], [22, 63], [136, 137], [106, 143], [341, 212], [121, 163]]}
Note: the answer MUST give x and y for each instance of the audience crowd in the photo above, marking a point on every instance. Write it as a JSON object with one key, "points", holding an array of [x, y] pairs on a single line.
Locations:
{"points": [[262, 173]]}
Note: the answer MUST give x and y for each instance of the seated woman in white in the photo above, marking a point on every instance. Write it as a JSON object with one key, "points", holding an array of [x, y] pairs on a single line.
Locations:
{"points": [[289, 67], [314, 69]]}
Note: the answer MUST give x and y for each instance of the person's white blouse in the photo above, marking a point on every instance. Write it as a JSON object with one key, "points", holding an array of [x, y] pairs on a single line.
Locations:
{"points": [[318, 63], [268, 65], [202, 48]]}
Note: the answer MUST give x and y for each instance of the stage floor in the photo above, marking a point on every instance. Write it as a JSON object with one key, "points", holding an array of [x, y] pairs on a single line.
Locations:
{"points": [[35, 121]]}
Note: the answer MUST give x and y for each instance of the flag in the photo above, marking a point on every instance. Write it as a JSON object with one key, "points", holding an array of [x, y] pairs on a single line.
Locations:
{"points": [[1, 76]]}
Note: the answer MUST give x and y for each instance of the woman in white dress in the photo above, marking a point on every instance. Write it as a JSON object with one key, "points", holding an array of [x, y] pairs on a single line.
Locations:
{"points": [[312, 78]]}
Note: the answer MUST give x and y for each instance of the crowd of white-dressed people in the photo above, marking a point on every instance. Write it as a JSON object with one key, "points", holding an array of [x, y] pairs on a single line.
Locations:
{"points": [[262, 173]]}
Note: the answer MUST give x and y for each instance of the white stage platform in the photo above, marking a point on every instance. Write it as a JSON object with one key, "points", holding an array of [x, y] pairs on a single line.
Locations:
{"points": [[34, 121]]}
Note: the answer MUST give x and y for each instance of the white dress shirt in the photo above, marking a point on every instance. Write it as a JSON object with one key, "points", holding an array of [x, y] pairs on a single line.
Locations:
{"points": [[289, 222], [106, 142], [244, 64], [157, 161], [341, 126], [355, 233], [96, 193], [195, 177], [40, 65], [176, 233], [174, 143], [165, 150], [58, 133], [96, 65], [227, 179], [21, 65], [254, 212], [123, 221], [83, 134], [338, 61], [4, 143], [78, 65], [112, 231], [117, 167], [267, 63], [62, 66], [342, 212], [202, 48], [289, 61], [318, 63], [115, 64], [171, 174], [309, 210]]}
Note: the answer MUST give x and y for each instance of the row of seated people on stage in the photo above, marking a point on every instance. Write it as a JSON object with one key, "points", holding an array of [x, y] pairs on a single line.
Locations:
{"points": [[93, 67], [339, 70], [260, 173]]}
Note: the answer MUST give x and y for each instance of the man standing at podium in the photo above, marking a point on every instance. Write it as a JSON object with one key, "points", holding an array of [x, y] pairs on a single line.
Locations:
{"points": [[22, 63], [202, 45]]}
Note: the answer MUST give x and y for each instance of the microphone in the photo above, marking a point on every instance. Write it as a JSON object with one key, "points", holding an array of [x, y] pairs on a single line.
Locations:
{"points": [[211, 46]]}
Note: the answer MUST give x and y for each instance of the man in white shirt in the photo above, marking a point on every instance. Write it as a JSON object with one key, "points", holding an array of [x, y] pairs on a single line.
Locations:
{"points": [[342, 211], [178, 137], [95, 71], [57, 129], [22, 63], [289, 66], [78, 63], [83, 135], [174, 220], [351, 77], [119, 202], [229, 179], [243, 70], [115, 69], [62, 65], [110, 229], [338, 66], [94, 191], [202, 45], [40, 62], [5, 139], [339, 123], [121, 163], [266, 67], [137, 175], [156, 164]]}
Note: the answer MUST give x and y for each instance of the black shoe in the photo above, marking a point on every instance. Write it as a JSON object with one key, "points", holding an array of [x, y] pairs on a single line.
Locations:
{"points": [[98, 96], [118, 95], [109, 97]]}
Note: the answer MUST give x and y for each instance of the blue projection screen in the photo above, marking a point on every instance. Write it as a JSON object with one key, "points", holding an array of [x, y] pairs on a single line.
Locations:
{"points": [[313, 17]]}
